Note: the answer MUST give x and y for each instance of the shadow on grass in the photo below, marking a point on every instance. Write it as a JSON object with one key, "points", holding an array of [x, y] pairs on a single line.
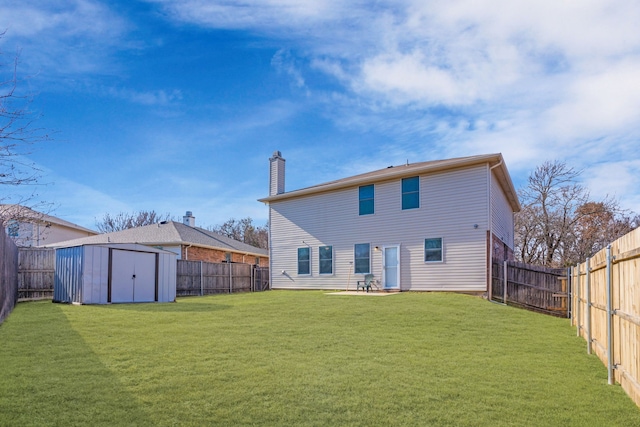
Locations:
{"points": [[169, 307], [59, 381]]}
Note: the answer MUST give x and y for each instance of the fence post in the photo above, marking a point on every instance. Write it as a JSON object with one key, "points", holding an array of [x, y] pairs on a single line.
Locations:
{"points": [[609, 321], [570, 294], [504, 297], [230, 279], [201, 281], [578, 299], [588, 304]]}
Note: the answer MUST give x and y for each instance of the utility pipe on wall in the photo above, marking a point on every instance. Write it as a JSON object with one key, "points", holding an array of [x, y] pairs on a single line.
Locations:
{"points": [[491, 231]]}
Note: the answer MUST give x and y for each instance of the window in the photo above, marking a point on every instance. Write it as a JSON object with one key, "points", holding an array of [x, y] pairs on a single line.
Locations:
{"points": [[362, 258], [433, 250], [366, 193], [411, 193], [304, 261], [326, 259], [227, 257], [13, 228]]}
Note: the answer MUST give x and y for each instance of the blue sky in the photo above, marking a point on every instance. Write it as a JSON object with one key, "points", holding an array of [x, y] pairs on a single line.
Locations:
{"points": [[177, 105]]}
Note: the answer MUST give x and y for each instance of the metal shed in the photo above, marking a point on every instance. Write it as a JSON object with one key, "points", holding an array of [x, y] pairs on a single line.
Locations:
{"points": [[114, 273]]}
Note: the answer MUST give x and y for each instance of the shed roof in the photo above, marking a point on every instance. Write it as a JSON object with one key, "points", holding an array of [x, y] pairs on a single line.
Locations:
{"points": [[168, 233], [411, 169]]}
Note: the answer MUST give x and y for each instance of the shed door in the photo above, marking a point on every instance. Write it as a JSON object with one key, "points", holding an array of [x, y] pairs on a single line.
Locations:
{"points": [[133, 276]]}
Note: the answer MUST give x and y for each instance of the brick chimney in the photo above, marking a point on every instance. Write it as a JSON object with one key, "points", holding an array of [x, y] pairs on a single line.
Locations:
{"points": [[276, 174], [189, 219]]}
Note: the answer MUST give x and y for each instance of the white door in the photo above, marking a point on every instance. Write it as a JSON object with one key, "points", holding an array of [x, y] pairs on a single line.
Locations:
{"points": [[133, 276], [391, 267]]}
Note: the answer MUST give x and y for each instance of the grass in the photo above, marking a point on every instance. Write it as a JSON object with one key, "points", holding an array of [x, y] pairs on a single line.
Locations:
{"points": [[303, 359]]}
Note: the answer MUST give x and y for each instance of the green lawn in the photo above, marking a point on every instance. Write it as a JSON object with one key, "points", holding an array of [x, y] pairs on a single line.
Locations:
{"points": [[301, 358]]}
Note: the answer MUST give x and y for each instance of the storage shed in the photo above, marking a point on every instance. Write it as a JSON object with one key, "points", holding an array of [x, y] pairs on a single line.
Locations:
{"points": [[114, 273]]}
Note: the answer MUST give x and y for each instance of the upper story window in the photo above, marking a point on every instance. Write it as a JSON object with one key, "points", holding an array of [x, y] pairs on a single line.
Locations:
{"points": [[326, 259], [411, 193], [366, 193], [362, 258], [304, 261], [433, 250], [13, 228]]}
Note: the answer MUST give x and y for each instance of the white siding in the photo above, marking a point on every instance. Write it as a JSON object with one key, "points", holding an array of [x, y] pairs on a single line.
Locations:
{"points": [[501, 214], [450, 204]]}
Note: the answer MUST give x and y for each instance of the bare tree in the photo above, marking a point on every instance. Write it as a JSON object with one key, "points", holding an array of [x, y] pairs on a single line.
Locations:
{"points": [[559, 225], [243, 230], [123, 221], [17, 130]]}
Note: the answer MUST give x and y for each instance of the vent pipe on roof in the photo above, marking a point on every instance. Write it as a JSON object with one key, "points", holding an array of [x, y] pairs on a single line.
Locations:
{"points": [[189, 219], [276, 174]]}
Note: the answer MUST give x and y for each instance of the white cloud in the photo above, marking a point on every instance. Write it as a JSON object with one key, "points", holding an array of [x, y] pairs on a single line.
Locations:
{"points": [[160, 98], [65, 38], [599, 103]]}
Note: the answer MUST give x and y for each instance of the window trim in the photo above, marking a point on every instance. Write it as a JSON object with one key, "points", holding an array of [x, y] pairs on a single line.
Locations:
{"points": [[441, 249], [372, 199], [355, 259], [308, 260], [403, 192], [320, 259]]}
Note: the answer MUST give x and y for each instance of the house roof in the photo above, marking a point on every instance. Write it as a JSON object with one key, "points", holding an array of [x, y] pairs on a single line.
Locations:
{"points": [[25, 214], [412, 169], [168, 233]]}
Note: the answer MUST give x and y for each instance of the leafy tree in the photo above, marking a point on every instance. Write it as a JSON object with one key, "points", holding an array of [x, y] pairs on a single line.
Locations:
{"points": [[244, 230], [597, 226], [123, 221]]}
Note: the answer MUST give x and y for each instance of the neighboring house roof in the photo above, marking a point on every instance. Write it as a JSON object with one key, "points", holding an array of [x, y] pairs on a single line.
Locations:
{"points": [[25, 214], [403, 171], [168, 233]]}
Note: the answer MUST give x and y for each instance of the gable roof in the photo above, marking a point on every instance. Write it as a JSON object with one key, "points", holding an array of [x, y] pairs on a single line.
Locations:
{"points": [[168, 233], [24, 214], [412, 169]]}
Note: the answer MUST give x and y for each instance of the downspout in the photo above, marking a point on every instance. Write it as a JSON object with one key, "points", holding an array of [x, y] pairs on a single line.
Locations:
{"points": [[270, 252], [490, 266], [186, 252]]}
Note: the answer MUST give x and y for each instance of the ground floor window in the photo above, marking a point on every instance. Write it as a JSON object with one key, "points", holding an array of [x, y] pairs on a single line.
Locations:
{"points": [[304, 261], [433, 249], [326, 259], [362, 258]]}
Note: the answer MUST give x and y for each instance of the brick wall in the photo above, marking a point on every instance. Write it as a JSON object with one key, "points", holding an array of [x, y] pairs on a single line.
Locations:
{"points": [[501, 252], [195, 253]]}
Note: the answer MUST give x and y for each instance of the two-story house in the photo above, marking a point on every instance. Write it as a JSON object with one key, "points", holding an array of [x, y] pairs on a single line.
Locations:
{"points": [[429, 226]]}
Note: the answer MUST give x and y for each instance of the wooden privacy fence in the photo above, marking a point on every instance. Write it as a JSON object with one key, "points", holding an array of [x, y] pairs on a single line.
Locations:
{"points": [[8, 274], [606, 309], [532, 287], [36, 271], [206, 278]]}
